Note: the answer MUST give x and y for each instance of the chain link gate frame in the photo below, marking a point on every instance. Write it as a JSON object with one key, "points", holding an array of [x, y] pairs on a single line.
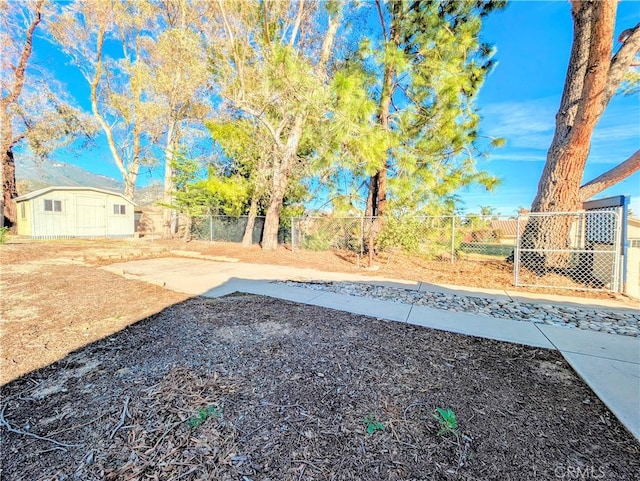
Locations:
{"points": [[590, 258]]}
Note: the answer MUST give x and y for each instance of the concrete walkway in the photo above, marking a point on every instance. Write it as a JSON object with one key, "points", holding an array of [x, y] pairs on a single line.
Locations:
{"points": [[609, 364]]}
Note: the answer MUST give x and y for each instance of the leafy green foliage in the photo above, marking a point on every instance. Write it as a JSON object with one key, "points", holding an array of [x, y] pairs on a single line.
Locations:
{"points": [[372, 424], [437, 65], [203, 414], [196, 195], [447, 421], [4, 233], [405, 233], [427, 237]]}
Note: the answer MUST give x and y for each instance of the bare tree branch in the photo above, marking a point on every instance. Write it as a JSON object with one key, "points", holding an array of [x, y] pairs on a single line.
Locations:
{"points": [[296, 26], [620, 63], [382, 23], [19, 70], [611, 177]]}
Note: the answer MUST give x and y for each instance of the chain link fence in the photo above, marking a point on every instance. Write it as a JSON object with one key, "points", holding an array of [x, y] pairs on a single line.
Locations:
{"points": [[220, 228], [443, 238], [578, 250]]}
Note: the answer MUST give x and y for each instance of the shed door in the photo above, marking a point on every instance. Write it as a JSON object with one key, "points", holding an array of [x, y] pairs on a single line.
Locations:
{"points": [[91, 216]]}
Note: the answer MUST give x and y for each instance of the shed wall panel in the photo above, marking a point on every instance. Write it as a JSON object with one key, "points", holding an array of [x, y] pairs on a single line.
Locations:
{"points": [[91, 218], [69, 212]]}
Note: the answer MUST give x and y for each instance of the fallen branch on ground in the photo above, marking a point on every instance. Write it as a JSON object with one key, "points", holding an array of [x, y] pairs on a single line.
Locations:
{"points": [[123, 416], [11, 429]]}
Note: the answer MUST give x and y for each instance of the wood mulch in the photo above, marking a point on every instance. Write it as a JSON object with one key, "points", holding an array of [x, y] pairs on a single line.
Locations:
{"points": [[251, 388], [111, 378]]}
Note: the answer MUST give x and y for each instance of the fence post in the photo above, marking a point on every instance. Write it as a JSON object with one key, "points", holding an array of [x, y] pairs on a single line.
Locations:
{"points": [[617, 241], [293, 234], [453, 237], [516, 253], [361, 239], [210, 228]]}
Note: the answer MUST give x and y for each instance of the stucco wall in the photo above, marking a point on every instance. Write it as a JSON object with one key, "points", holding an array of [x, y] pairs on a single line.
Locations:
{"points": [[633, 272], [633, 228]]}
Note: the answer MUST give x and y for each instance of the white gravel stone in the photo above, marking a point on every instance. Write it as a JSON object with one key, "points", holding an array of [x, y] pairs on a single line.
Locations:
{"points": [[569, 317]]}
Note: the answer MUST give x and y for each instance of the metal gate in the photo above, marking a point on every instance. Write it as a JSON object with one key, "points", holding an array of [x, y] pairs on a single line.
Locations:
{"points": [[575, 250]]}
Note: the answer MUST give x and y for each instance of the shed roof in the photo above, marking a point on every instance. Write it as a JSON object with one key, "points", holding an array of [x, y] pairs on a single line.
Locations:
{"points": [[46, 190]]}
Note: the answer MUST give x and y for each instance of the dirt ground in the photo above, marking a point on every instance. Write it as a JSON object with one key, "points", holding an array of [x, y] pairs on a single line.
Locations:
{"points": [[247, 387], [129, 381], [56, 299]]}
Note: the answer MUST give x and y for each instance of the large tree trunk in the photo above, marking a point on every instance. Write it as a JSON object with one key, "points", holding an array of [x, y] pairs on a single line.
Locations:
{"points": [[279, 183], [587, 75], [130, 184], [11, 94], [168, 214], [247, 238], [272, 219], [9, 190], [580, 109]]}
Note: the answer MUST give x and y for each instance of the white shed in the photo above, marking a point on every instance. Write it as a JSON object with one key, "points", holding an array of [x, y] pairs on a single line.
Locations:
{"points": [[63, 212]]}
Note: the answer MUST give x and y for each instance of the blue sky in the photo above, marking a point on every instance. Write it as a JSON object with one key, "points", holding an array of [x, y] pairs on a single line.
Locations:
{"points": [[518, 102]]}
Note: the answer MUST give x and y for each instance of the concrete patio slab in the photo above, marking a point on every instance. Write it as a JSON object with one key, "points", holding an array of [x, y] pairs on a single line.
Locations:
{"points": [[616, 383], [481, 326], [592, 343]]}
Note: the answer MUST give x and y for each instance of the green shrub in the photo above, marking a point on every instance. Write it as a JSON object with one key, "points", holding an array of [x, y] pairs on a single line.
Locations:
{"points": [[4, 234], [404, 234], [321, 241]]}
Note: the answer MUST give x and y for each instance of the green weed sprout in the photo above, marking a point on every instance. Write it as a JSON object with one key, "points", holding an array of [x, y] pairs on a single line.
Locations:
{"points": [[447, 420], [203, 414], [372, 424]]}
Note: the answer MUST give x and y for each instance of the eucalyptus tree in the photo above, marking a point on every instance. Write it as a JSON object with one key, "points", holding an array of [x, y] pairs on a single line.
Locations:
{"points": [[270, 60], [180, 81], [107, 42], [35, 112]]}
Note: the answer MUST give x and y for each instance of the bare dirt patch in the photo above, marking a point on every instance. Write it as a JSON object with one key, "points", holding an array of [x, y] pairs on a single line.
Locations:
{"points": [[247, 387], [55, 299]]}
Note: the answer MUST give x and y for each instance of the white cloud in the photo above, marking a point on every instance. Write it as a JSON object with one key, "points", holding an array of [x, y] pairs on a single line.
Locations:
{"points": [[615, 133], [519, 157], [527, 124]]}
